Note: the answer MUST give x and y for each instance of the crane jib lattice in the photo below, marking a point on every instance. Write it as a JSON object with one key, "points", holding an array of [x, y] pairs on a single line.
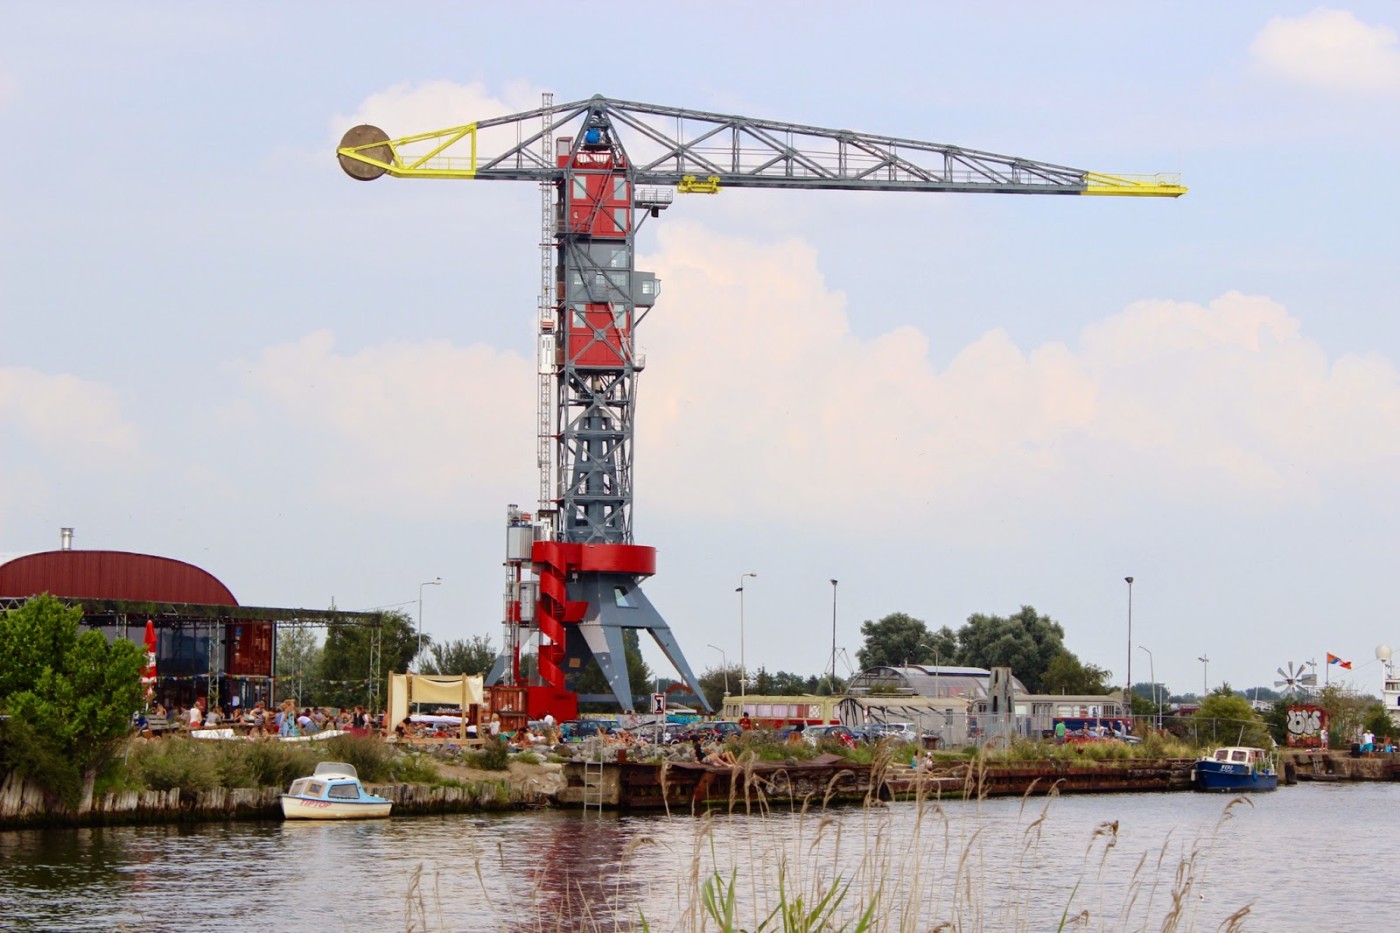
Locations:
{"points": [[607, 165], [677, 147]]}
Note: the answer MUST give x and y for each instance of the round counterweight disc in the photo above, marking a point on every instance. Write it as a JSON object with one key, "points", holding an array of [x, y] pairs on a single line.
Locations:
{"points": [[364, 135]]}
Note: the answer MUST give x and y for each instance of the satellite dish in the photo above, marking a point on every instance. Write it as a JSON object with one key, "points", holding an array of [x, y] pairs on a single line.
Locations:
{"points": [[1382, 653]]}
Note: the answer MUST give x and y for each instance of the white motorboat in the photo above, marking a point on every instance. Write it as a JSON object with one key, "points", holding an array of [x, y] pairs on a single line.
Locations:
{"points": [[333, 792]]}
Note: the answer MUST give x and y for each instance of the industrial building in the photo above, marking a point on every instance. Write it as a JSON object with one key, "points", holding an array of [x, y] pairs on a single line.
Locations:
{"points": [[207, 645]]}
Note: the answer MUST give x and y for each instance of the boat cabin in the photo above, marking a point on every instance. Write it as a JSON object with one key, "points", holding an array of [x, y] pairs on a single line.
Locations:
{"points": [[332, 780], [1241, 755]]}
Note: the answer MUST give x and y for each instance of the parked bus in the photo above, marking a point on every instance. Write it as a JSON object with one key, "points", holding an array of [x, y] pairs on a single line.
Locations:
{"points": [[775, 712]]}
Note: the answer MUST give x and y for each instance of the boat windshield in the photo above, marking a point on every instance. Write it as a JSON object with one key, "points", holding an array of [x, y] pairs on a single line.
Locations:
{"points": [[336, 767]]}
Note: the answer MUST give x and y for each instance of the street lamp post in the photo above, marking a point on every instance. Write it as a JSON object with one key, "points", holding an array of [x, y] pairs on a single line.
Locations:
{"points": [[833, 636], [1205, 675], [936, 665], [743, 667], [1152, 672], [724, 663], [436, 581], [1129, 695]]}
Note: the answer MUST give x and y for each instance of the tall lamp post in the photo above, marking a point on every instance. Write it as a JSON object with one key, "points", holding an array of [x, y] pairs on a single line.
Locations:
{"points": [[436, 581], [724, 663], [1152, 672], [743, 668], [936, 665], [833, 636], [1205, 675], [1129, 695]]}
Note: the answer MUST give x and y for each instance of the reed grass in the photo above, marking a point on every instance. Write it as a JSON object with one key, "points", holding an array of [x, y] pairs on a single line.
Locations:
{"points": [[771, 863]]}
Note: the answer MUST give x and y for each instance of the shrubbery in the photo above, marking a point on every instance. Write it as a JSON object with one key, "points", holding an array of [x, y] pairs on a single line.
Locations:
{"points": [[493, 756], [191, 764], [69, 696]]}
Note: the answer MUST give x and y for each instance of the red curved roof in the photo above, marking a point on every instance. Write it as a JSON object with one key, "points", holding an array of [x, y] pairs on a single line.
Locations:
{"points": [[112, 575]]}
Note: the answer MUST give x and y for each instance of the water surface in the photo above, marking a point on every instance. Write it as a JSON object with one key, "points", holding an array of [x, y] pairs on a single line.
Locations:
{"points": [[1128, 860]]}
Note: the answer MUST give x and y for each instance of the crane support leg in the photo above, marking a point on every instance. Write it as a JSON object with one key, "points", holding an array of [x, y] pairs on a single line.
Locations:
{"points": [[615, 603]]}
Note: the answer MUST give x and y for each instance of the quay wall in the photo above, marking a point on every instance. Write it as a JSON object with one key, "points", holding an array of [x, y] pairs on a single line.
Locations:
{"points": [[25, 804]]}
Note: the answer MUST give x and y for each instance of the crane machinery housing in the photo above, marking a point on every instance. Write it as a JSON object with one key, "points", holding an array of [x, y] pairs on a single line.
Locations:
{"points": [[573, 570]]}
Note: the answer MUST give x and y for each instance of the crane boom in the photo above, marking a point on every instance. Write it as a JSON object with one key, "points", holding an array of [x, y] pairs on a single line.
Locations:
{"points": [[699, 151], [597, 191]]}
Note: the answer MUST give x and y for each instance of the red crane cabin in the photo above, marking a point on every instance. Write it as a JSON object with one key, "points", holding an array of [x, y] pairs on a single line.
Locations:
{"points": [[597, 203]]}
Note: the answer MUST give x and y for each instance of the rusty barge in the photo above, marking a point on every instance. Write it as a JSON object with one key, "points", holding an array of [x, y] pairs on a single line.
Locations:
{"points": [[832, 779]]}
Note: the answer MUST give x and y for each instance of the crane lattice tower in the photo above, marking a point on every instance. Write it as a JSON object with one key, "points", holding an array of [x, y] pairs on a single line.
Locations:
{"points": [[589, 569]]}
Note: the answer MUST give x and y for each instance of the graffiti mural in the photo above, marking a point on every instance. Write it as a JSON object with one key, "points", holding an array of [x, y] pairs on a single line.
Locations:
{"points": [[1305, 726]]}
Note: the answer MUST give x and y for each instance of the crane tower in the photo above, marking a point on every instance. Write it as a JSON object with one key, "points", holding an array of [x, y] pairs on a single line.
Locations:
{"points": [[596, 192]]}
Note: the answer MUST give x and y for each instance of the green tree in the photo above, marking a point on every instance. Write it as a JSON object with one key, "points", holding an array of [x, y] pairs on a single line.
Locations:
{"points": [[717, 681], [789, 684], [1066, 674], [1378, 721], [298, 665], [1229, 720], [473, 655], [1347, 712], [347, 670], [68, 697], [761, 682], [1276, 719], [1026, 642], [892, 641], [939, 648]]}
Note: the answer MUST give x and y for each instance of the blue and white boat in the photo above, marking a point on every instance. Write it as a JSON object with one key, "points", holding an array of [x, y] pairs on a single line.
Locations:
{"points": [[1236, 769], [333, 792]]}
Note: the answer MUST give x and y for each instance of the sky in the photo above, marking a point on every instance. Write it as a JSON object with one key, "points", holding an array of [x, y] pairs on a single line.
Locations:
{"points": [[216, 347]]}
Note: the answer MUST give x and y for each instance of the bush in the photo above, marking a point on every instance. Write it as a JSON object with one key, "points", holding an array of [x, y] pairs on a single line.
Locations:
{"points": [[265, 763], [172, 763], [493, 756], [373, 760], [69, 694], [414, 769]]}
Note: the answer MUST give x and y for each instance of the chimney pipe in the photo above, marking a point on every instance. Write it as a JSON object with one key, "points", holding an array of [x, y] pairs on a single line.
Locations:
{"points": [[66, 538]]}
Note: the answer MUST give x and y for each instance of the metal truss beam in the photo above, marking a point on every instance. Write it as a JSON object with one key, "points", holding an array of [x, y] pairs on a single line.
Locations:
{"points": [[680, 147]]}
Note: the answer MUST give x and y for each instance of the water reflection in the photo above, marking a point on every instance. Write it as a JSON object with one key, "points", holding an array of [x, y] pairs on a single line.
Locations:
{"points": [[994, 865]]}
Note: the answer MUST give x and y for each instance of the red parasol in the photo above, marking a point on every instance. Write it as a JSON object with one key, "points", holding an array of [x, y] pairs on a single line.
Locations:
{"points": [[148, 676]]}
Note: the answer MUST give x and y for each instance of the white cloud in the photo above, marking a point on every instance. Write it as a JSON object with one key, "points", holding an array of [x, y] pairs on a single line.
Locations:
{"points": [[759, 400], [64, 413], [8, 88], [1329, 49], [407, 109], [421, 426]]}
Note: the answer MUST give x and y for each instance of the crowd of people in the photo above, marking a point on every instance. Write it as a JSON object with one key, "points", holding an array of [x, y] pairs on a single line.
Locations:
{"points": [[288, 720]]}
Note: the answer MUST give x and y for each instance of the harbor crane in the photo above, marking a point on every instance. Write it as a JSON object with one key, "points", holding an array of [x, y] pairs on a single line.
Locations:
{"points": [[604, 167]]}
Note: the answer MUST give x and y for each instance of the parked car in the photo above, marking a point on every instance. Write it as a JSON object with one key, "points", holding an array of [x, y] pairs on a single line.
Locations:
{"points": [[895, 731], [576, 730], [715, 730], [814, 734]]}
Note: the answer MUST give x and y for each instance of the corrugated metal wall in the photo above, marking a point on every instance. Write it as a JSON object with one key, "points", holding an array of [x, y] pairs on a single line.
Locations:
{"points": [[111, 575]]}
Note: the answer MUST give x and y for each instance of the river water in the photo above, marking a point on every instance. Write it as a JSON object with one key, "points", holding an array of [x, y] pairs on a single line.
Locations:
{"points": [[1309, 857]]}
